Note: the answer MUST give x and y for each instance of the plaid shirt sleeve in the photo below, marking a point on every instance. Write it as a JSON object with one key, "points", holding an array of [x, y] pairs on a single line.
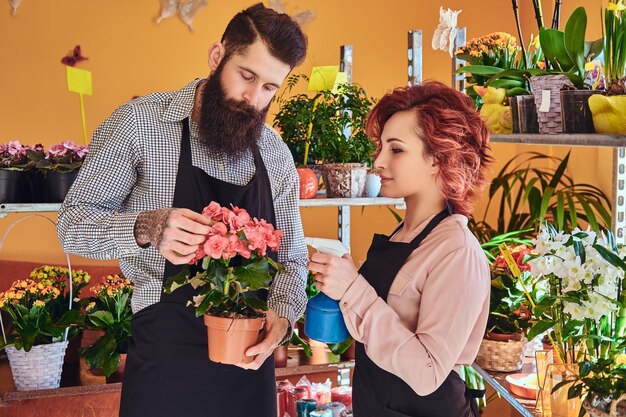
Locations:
{"points": [[288, 292], [91, 223]]}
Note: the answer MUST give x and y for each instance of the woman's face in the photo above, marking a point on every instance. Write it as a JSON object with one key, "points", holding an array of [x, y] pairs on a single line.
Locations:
{"points": [[404, 171]]}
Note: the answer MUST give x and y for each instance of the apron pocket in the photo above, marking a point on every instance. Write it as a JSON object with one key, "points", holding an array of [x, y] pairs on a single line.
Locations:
{"points": [[399, 284]]}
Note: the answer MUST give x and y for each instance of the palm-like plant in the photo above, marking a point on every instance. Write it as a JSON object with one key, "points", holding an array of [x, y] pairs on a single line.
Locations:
{"points": [[526, 195]]}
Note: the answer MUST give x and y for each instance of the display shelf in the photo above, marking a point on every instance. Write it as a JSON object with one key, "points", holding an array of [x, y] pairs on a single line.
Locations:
{"points": [[497, 380], [574, 139]]}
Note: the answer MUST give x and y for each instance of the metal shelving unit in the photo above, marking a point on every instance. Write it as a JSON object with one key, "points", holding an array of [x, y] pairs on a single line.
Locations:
{"points": [[343, 205], [617, 142]]}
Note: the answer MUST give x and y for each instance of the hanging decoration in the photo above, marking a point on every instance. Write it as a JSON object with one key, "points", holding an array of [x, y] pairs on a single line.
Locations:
{"points": [[78, 81], [302, 18], [185, 9], [73, 57], [14, 5], [445, 33]]}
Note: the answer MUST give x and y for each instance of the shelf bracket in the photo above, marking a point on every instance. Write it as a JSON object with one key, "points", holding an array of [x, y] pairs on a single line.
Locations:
{"points": [[618, 213]]}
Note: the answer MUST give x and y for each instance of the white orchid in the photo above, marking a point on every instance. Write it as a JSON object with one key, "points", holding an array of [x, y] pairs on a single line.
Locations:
{"points": [[445, 33]]}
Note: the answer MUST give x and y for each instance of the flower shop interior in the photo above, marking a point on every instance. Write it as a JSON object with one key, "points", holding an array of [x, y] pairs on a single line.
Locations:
{"points": [[571, 178]]}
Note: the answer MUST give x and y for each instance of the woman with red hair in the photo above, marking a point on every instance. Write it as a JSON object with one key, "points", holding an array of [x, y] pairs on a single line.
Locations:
{"points": [[418, 306]]}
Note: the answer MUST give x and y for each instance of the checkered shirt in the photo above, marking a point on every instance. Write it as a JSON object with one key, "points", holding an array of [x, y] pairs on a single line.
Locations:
{"points": [[132, 166]]}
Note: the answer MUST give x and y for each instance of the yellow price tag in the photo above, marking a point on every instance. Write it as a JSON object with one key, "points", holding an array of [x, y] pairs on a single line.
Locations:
{"points": [[506, 253], [79, 81], [323, 78]]}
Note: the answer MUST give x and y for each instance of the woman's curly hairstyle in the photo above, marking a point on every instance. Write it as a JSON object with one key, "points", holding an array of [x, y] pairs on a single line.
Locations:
{"points": [[453, 133]]}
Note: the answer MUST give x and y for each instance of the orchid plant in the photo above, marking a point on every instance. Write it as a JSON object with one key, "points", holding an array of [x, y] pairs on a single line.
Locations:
{"points": [[233, 263]]}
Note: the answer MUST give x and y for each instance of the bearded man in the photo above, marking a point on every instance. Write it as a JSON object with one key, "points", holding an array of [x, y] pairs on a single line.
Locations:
{"points": [[153, 165]]}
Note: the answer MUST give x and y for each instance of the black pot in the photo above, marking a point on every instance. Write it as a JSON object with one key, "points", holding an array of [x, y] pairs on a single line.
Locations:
{"points": [[36, 184], [14, 186], [57, 184], [524, 114], [575, 111]]}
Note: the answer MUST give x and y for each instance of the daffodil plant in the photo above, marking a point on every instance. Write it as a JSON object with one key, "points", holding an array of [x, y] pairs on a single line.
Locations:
{"points": [[614, 32]]}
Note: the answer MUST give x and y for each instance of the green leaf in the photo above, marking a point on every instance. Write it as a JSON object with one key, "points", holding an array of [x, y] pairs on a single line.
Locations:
{"points": [[101, 319], [341, 347], [610, 257], [176, 281], [553, 45], [298, 341], [574, 38], [479, 70], [254, 302], [254, 276], [539, 327]]}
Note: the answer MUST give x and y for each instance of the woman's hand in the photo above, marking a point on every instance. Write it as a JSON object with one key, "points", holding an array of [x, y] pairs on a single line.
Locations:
{"points": [[333, 275]]}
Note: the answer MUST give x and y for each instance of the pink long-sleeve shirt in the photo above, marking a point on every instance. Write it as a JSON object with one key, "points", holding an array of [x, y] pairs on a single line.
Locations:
{"points": [[436, 311]]}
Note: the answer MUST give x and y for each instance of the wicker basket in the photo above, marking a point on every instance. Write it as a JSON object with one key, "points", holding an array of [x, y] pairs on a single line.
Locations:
{"points": [[38, 369], [550, 120], [501, 356], [344, 180]]}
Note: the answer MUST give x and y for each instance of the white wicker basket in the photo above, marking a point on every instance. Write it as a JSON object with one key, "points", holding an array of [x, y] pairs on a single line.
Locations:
{"points": [[501, 356], [38, 369]]}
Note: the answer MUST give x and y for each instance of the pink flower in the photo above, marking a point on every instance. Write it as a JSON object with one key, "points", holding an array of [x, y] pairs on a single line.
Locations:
{"points": [[215, 245], [231, 248], [213, 211], [219, 228], [273, 239], [199, 255], [243, 215]]}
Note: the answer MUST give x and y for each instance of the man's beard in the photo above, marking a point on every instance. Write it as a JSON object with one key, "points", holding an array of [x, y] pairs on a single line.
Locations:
{"points": [[227, 125]]}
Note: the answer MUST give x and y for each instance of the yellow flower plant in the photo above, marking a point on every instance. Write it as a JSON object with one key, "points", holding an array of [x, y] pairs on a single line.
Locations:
{"points": [[29, 303]]}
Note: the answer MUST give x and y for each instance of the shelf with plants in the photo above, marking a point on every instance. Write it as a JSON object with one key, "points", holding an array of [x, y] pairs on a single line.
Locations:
{"points": [[565, 139]]}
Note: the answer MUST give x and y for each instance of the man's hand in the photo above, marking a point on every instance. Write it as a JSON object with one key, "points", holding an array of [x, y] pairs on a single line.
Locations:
{"points": [[175, 233], [275, 330]]}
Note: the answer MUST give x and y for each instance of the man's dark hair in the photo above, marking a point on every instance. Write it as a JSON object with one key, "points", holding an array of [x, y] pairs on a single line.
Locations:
{"points": [[282, 36]]}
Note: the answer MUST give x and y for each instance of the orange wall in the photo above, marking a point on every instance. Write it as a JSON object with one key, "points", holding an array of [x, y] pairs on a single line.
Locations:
{"points": [[131, 55]]}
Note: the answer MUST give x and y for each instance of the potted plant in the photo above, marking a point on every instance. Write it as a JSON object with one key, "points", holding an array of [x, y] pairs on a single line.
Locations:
{"points": [[15, 172], [234, 262], [329, 128], [109, 310], [509, 313], [59, 165], [584, 307], [567, 53], [609, 113], [58, 277], [36, 341]]}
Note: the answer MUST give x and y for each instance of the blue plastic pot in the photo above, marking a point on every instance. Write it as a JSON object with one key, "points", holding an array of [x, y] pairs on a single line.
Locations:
{"points": [[324, 321]]}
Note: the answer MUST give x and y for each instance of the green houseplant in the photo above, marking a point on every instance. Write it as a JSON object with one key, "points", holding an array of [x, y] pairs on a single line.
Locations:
{"points": [[231, 265], [329, 128], [109, 310]]}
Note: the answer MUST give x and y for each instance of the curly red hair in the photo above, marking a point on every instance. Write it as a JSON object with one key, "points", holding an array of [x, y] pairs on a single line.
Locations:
{"points": [[453, 133]]}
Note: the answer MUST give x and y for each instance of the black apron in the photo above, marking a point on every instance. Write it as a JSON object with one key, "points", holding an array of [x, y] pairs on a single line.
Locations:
{"points": [[378, 393], [168, 372]]}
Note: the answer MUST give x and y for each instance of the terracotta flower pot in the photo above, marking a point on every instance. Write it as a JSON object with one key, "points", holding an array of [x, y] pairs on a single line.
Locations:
{"points": [[504, 337], [280, 357], [230, 338]]}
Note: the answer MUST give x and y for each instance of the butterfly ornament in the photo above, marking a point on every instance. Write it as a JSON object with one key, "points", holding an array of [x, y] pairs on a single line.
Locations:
{"points": [[185, 9], [445, 33], [302, 18]]}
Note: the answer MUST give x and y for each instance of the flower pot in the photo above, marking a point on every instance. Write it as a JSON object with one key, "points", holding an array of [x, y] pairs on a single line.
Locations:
{"points": [[57, 184], [524, 114], [501, 356], [14, 186], [504, 337], [309, 182], [546, 90], [118, 375], [70, 376], [609, 113], [38, 369], [372, 185], [229, 338], [344, 180], [280, 357], [575, 111]]}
